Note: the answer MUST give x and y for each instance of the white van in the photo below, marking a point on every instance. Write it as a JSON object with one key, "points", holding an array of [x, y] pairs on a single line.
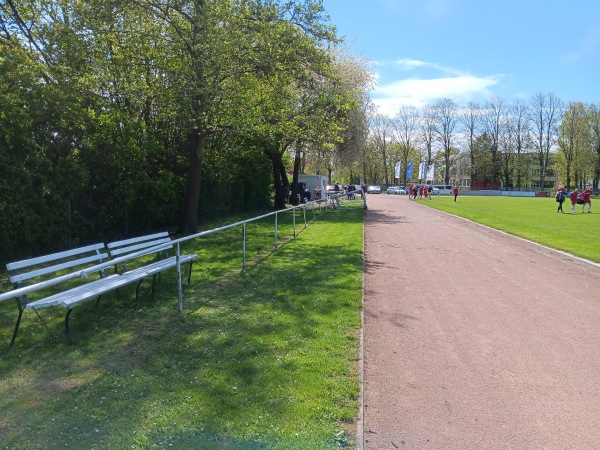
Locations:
{"points": [[444, 188]]}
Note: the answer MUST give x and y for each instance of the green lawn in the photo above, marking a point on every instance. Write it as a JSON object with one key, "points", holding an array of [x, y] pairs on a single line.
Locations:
{"points": [[265, 358], [535, 219]]}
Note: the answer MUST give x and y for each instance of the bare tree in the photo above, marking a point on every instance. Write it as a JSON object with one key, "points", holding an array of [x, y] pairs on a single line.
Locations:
{"points": [[545, 113], [382, 129], [518, 121], [507, 151], [494, 124], [427, 131], [407, 128], [446, 121], [471, 121]]}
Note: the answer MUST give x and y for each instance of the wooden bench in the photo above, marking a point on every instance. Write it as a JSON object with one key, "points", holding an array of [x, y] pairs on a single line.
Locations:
{"points": [[162, 243], [57, 268]]}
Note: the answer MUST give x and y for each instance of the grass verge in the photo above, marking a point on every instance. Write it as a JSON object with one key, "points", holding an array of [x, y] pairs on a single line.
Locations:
{"points": [[535, 219], [264, 358]]}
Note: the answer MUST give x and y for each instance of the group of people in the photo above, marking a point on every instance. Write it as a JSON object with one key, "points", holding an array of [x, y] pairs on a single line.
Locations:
{"points": [[420, 192], [577, 198]]}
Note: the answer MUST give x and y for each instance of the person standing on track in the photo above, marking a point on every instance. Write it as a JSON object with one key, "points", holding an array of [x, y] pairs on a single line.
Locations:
{"points": [[573, 197]]}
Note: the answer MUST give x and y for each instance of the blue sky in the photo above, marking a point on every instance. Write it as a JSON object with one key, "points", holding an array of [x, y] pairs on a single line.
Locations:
{"points": [[472, 50]]}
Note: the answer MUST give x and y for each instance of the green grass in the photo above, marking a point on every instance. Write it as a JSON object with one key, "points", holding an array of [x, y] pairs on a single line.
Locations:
{"points": [[535, 219], [264, 358]]}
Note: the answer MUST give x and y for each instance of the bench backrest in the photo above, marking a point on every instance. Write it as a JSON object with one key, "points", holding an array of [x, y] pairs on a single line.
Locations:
{"points": [[43, 269], [137, 244], [56, 262]]}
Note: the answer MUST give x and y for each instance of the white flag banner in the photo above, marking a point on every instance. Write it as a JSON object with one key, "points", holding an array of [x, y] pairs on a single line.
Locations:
{"points": [[397, 173], [422, 170], [430, 172]]}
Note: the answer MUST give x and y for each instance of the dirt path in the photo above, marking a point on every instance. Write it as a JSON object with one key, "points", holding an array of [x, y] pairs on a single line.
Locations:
{"points": [[474, 339]]}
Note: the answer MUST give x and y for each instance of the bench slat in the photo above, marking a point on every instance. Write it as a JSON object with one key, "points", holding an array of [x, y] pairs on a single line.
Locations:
{"points": [[58, 267], [135, 240], [53, 257], [161, 265], [90, 290], [132, 248]]}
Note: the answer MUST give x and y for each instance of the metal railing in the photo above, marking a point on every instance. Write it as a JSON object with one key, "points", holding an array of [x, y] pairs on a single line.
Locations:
{"points": [[331, 201]]}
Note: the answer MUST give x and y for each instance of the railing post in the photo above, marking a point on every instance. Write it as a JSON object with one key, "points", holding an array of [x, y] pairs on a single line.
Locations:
{"points": [[179, 287], [244, 245], [275, 244], [294, 219]]}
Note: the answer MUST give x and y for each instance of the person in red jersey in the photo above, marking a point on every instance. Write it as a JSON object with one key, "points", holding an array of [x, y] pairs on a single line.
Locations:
{"points": [[587, 199], [455, 192], [573, 197]]}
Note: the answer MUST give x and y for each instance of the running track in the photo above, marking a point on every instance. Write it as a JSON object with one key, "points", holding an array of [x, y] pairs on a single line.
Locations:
{"points": [[474, 339]]}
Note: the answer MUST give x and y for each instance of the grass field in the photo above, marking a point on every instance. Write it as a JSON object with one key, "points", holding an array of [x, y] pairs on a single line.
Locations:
{"points": [[535, 219], [265, 358]]}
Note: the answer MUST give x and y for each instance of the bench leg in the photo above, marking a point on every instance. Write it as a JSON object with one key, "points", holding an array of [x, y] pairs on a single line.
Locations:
{"points": [[190, 273], [137, 293], [153, 283], [97, 301], [67, 334], [14, 336]]}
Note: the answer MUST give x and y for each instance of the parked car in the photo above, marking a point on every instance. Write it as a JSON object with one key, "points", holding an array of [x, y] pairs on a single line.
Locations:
{"points": [[398, 190], [444, 189], [435, 190], [374, 189]]}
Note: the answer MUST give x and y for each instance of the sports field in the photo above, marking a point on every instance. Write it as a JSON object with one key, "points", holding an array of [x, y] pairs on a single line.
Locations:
{"points": [[535, 219]]}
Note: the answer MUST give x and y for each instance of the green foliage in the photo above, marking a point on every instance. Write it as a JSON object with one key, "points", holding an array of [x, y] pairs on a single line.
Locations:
{"points": [[122, 118]]}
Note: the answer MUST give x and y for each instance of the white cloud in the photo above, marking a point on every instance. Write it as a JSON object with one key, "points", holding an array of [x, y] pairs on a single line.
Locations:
{"points": [[419, 91]]}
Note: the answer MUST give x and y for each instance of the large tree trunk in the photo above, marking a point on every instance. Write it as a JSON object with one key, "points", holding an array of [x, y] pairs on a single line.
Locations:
{"points": [[189, 222], [280, 181], [295, 190]]}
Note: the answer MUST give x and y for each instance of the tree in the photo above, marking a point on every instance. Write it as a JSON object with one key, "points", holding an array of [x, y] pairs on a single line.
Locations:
{"points": [[507, 151], [406, 122], [484, 167], [518, 123], [446, 120], [545, 114], [471, 122], [574, 138], [594, 120], [382, 129], [427, 130], [495, 128]]}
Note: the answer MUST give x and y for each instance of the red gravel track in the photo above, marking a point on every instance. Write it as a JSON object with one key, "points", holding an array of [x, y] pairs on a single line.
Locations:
{"points": [[474, 339]]}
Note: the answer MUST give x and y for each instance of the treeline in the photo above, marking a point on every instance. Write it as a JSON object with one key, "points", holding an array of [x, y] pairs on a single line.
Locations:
{"points": [[123, 117], [500, 141]]}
